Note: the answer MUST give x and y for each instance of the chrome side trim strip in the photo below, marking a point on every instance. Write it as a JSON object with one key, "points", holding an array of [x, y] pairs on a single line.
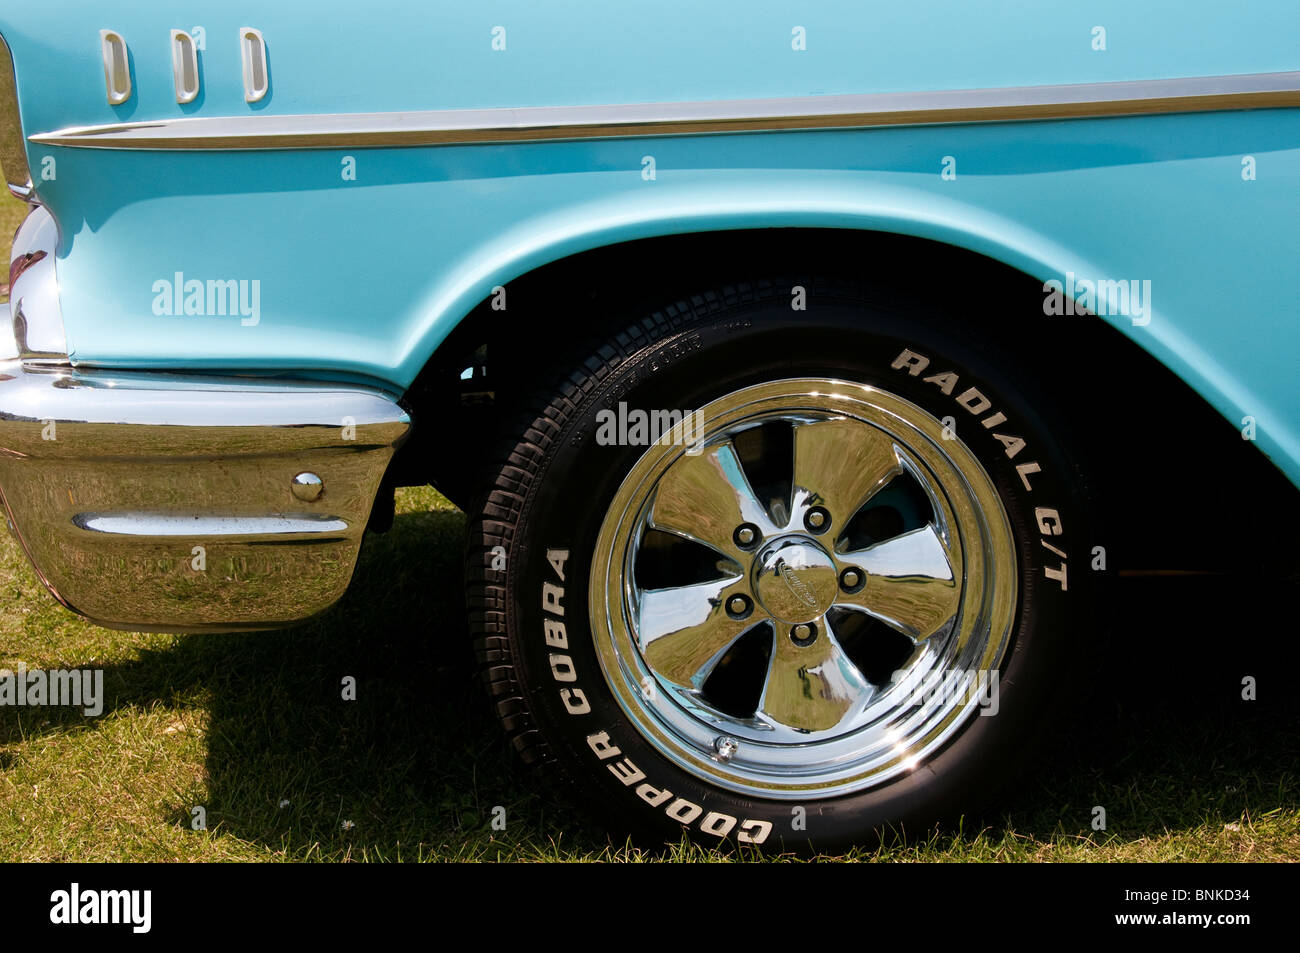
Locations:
{"points": [[535, 123], [260, 528], [13, 151]]}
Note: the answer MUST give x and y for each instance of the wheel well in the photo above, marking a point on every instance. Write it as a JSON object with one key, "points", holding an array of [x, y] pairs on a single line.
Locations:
{"points": [[1156, 448]]}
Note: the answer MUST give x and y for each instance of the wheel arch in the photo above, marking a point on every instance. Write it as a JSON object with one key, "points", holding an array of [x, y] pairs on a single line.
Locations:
{"points": [[628, 236], [560, 301]]}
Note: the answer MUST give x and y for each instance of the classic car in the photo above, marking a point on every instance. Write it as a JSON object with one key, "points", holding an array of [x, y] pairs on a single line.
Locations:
{"points": [[806, 373]]}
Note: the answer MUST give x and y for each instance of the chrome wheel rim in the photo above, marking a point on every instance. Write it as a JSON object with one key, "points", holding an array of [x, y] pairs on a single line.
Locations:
{"points": [[784, 566]]}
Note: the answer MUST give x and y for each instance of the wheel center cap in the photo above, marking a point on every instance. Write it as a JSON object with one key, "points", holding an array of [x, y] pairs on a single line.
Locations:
{"points": [[794, 579]]}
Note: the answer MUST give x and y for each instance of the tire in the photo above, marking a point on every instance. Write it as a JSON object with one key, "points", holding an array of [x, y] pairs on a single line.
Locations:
{"points": [[683, 655]]}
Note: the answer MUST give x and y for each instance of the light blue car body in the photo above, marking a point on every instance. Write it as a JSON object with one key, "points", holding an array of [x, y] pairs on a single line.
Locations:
{"points": [[365, 277]]}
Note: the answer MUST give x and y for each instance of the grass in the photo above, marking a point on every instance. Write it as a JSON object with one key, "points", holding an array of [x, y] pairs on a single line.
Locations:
{"points": [[12, 213], [253, 729]]}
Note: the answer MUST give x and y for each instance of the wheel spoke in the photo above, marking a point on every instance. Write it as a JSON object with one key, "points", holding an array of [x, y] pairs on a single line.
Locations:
{"points": [[910, 583], [814, 687], [705, 497], [686, 629], [840, 464], [864, 544]]}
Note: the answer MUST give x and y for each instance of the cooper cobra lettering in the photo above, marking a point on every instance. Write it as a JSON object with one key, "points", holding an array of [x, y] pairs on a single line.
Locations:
{"points": [[562, 670], [680, 809], [575, 702]]}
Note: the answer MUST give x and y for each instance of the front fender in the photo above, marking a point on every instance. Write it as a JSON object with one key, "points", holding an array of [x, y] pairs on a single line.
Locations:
{"points": [[367, 276]]}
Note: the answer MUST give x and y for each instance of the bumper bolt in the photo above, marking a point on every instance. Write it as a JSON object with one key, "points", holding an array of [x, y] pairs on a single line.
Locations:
{"points": [[307, 487]]}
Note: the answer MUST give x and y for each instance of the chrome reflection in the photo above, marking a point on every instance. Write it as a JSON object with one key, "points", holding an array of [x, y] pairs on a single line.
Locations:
{"points": [[789, 578], [268, 528], [165, 501], [34, 298], [606, 121]]}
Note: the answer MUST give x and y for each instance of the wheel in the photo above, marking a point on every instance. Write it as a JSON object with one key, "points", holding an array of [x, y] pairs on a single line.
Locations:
{"points": [[781, 578]]}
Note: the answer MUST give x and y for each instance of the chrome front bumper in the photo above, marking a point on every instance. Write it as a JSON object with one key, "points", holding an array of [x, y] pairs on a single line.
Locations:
{"points": [[178, 501], [168, 501]]}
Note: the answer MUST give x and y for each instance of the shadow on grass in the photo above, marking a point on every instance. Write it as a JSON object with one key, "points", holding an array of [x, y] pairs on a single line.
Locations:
{"points": [[416, 759], [415, 765], [1164, 738]]}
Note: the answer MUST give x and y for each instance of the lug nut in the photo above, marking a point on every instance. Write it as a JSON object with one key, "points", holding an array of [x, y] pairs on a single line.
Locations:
{"points": [[851, 580], [738, 607], [746, 535], [803, 634], [817, 520]]}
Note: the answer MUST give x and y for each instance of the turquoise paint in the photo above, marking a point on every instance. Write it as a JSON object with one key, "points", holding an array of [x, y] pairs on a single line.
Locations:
{"points": [[366, 277]]}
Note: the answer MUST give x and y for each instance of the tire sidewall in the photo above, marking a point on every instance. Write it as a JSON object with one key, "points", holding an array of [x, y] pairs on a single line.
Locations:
{"points": [[919, 357]]}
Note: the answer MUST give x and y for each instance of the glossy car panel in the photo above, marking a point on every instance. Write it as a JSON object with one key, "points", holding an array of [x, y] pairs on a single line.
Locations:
{"points": [[420, 236]]}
